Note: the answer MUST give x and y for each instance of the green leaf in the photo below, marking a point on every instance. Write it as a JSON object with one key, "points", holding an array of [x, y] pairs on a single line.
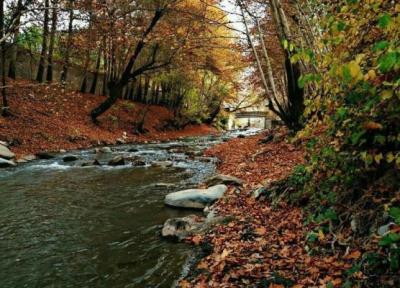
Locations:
{"points": [[381, 45], [387, 62], [394, 212], [389, 239], [355, 137], [346, 73], [341, 26], [384, 21]]}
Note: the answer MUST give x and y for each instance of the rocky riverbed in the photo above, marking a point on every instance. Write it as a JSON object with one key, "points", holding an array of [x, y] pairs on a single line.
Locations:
{"points": [[94, 217]]}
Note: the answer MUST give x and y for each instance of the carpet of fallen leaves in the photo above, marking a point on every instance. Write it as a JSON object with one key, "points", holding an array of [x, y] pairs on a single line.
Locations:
{"points": [[257, 163], [49, 118], [262, 246]]}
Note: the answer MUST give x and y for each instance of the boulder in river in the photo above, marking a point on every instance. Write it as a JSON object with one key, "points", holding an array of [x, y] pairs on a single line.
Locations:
{"points": [[117, 161], [139, 163], [45, 155], [90, 163], [105, 150], [180, 228], [162, 164], [6, 153], [29, 157], [133, 150], [70, 158], [7, 163], [224, 179], [195, 198]]}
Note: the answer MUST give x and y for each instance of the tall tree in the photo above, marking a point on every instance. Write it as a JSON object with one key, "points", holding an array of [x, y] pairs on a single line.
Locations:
{"points": [[54, 16], [116, 85], [43, 54], [14, 47], [87, 56], [67, 55], [5, 108]]}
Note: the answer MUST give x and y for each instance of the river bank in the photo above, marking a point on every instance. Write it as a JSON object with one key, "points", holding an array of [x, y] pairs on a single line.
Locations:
{"points": [[264, 245], [48, 118]]}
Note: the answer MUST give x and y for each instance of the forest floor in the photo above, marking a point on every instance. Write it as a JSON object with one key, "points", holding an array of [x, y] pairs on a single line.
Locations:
{"points": [[48, 118], [264, 245]]}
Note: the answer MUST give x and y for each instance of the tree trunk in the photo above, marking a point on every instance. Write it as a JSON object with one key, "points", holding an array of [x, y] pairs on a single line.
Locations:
{"points": [[96, 74], [53, 30], [12, 70], [5, 109], [64, 73], [42, 61], [115, 93], [87, 57]]}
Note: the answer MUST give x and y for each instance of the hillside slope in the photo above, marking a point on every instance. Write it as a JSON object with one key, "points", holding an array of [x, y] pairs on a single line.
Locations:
{"points": [[46, 117]]}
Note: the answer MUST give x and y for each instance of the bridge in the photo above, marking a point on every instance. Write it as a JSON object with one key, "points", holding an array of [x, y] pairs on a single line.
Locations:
{"points": [[258, 119], [251, 114]]}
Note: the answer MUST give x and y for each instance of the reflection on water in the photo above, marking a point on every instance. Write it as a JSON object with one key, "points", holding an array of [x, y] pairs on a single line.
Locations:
{"points": [[67, 226]]}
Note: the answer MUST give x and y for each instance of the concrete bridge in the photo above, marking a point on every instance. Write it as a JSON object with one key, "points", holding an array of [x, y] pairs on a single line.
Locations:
{"points": [[258, 119]]}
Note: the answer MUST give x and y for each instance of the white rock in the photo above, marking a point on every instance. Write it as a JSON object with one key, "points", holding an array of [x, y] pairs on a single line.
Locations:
{"points": [[6, 153], [195, 198]]}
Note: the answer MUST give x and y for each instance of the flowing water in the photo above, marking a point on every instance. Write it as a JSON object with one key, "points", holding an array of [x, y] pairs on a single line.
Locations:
{"points": [[63, 225]]}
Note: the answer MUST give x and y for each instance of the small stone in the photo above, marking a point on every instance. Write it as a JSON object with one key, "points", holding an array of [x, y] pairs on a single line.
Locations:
{"points": [[120, 141], [4, 163], [29, 157], [70, 158], [224, 179], [162, 164], [204, 159], [258, 192], [383, 230], [45, 155], [117, 161], [105, 150], [90, 163], [180, 228], [139, 163], [63, 151]]}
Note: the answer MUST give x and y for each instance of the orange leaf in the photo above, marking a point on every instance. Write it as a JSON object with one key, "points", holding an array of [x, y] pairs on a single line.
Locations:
{"points": [[272, 285], [261, 231], [353, 255], [372, 126]]}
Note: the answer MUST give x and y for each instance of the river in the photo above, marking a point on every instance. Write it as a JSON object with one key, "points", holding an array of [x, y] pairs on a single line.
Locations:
{"points": [[63, 225]]}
